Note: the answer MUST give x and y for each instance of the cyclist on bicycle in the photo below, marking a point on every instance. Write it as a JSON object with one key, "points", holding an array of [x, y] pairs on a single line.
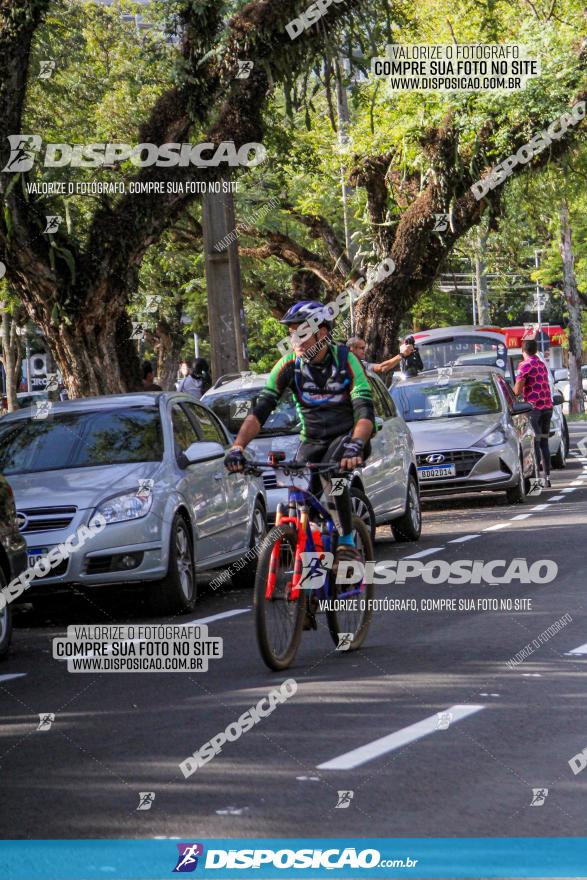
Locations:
{"points": [[335, 406]]}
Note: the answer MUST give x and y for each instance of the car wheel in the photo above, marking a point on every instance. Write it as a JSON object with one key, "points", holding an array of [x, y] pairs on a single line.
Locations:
{"points": [[363, 508], [244, 577], [5, 622], [518, 494], [176, 593], [559, 459], [409, 526]]}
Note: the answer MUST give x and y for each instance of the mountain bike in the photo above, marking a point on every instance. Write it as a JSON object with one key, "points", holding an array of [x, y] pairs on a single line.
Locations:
{"points": [[287, 592]]}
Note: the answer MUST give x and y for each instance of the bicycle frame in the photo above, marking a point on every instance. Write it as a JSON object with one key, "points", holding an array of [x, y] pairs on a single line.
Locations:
{"points": [[308, 541]]}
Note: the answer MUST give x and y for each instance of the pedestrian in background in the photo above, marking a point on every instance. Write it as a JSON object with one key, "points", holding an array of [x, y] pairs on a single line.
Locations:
{"points": [[194, 378], [149, 383], [532, 382]]}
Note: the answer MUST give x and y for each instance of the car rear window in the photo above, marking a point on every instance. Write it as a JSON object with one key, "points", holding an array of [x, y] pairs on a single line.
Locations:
{"points": [[81, 439]]}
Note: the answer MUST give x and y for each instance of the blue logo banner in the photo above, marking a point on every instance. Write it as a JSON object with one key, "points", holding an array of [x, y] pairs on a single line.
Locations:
{"points": [[368, 858]]}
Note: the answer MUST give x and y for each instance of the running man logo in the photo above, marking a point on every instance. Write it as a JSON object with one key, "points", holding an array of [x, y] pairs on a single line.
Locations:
{"points": [[338, 485], [187, 860], [444, 720], [440, 223], [535, 487], [146, 799], [315, 568], [344, 800], [46, 69], [23, 149], [345, 641], [138, 331], [42, 410], [240, 409], [539, 795], [152, 303], [145, 488], [244, 69], [52, 382], [46, 719], [52, 222]]}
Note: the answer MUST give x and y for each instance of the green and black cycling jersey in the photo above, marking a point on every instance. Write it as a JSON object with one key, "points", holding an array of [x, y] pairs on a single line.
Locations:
{"points": [[330, 397]]}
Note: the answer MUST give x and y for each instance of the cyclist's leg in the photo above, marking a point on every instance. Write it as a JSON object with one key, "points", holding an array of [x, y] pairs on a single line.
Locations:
{"points": [[312, 451], [339, 506]]}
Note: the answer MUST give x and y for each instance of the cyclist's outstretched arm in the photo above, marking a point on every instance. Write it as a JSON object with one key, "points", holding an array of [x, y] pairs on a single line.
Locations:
{"points": [[248, 431]]}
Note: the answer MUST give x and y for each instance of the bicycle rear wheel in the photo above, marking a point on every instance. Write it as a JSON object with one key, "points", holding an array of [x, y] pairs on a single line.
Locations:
{"points": [[278, 620], [349, 620]]}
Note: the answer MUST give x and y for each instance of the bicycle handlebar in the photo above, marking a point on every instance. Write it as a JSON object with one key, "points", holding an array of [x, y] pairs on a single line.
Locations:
{"points": [[292, 467]]}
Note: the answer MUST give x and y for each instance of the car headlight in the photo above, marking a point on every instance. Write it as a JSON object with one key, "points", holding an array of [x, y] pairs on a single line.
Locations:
{"points": [[495, 438], [125, 508]]}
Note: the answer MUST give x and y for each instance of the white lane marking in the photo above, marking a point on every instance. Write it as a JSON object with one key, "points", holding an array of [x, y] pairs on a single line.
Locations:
{"points": [[214, 617], [464, 538], [577, 482], [396, 740], [520, 516], [567, 490], [541, 507], [423, 553], [556, 498], [582, 649], [13, 675], [495, 528]]}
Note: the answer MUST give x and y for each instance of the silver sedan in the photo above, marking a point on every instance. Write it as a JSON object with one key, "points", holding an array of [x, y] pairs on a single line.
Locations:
{"points": [[151, 465], [469, 432]]}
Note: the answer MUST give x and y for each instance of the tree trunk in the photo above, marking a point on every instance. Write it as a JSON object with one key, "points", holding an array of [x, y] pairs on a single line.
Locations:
{"points": [[169, 343], [11, 348], [576, 396]]}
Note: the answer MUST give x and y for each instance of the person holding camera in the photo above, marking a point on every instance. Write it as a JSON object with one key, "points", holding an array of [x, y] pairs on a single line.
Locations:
{"points": [[358, 347], [411, 362]]}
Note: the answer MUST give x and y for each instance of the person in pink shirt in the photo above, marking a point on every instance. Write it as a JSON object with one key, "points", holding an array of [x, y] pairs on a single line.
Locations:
{"points": [[532, 382]]}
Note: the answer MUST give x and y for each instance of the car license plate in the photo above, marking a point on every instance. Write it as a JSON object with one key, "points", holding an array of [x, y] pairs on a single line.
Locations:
{"points": [[441, 470], [35, 555]]}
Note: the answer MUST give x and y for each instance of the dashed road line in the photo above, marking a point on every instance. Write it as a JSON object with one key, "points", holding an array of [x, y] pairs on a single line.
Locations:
{"points": [[423, 553], [9, 677], [496, 527], [393, 741], [464, 538], [520, 516], [556, 498], [582, 649], [214, 617]]}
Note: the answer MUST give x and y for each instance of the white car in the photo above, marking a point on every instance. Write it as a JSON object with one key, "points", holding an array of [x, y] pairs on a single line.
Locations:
{"points": [[386, 490]]}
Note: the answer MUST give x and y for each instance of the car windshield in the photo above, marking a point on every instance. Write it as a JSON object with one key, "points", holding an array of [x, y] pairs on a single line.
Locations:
{"points": [[446, 399], [80, 439], [232, 408], [461, 350]]}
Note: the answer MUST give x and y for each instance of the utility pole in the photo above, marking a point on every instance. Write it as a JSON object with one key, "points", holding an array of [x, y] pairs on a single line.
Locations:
{"points": [[539, 303], [481, 276], [225, 308]]}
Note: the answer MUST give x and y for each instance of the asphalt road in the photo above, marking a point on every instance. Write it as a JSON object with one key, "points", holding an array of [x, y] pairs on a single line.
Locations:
{"points": [[513, 729]]}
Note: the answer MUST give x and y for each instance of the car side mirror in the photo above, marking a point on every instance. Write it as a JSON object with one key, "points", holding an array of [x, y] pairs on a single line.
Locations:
{"points": [[557, 398], [203, 450], [520, 408], [379, 423], [561, 375]]}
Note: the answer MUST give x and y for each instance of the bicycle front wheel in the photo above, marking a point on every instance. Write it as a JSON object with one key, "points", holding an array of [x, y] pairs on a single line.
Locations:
{"points": [[350, 621], [278, 618]]}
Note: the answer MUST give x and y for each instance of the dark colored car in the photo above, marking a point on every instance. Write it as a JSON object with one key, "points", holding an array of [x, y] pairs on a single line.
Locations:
{"points": [[13, 558]]}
